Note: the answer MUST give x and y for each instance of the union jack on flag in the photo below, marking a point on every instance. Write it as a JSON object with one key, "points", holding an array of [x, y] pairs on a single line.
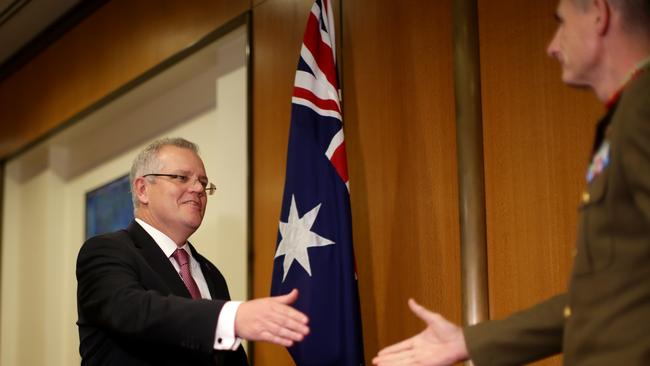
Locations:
{"points": [[314, 251]]}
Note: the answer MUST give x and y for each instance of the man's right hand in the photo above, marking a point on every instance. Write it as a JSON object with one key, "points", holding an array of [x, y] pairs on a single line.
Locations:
{"points": [[272, 319], [441, 343]]}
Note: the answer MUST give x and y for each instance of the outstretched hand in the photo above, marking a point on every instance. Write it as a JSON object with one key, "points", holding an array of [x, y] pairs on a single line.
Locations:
{"points": [[440, 343], [271, 319]]}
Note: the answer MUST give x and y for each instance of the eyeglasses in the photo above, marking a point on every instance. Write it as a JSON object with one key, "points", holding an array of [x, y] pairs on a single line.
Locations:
{"points": [[208, 187]]}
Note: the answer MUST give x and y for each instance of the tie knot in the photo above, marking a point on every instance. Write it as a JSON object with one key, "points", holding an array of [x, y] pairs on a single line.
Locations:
{"points": [[181, 256]]}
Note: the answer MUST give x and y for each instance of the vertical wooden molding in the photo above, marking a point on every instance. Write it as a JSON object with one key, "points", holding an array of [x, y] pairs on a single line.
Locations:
{"points": [[250, 179], [3, 163], [469, 142]]}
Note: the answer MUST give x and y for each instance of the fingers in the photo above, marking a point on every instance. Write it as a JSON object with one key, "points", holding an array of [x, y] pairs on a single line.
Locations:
{"points": [[413, 305], [289, 298], [271, 320], [289, 311], [287, 325], [394, 359], [289, 319], [277, 339], [440, 343], [423, 313], [397, 347], [281, 335], [285, 311]]}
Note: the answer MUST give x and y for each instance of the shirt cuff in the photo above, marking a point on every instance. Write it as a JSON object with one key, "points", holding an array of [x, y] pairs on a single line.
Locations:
{"points": [[225, 339]]}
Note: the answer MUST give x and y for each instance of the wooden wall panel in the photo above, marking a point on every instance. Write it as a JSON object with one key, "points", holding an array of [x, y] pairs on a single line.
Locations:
{"points": [[400, 138], [537, 137], [114, 45], [278, 27]]}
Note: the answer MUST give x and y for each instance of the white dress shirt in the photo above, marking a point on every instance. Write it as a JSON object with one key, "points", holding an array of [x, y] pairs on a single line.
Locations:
{"points": [[225, 338]]}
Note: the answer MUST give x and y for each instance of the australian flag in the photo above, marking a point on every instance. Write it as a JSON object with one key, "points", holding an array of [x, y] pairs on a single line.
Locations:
{"points": [[314, 251]]}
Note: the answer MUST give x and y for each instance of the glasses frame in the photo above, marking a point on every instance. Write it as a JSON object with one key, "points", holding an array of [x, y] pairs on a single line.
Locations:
{"points": [[209, 188]]}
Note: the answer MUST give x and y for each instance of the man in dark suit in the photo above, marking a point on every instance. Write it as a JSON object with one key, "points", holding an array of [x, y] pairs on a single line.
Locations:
{"points": [[603, 317], [147, 297]]}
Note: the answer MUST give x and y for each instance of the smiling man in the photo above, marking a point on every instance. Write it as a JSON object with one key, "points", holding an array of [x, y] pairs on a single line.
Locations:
{"points": [[602, 319], [147, 297]]}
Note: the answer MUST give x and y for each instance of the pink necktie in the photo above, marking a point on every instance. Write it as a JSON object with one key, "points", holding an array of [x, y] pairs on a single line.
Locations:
{"points": [[183, 260]]}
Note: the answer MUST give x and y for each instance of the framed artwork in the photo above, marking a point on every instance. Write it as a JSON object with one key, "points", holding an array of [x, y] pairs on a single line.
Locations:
{"points": [[109, 207]]}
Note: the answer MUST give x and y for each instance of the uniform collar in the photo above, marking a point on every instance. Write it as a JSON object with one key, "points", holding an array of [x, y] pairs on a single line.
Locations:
{"points": [[638, 69]]}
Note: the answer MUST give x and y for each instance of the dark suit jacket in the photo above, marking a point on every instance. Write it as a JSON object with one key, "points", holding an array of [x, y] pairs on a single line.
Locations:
{"points": [[135, 310], [604, 317]]}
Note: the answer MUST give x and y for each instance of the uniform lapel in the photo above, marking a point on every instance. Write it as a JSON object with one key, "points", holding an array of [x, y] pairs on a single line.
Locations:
{"points": [[157, 260]]}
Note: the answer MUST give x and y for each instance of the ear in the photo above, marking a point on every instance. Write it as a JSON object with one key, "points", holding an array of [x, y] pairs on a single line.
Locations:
{"points": [[141, 190], [602, 15]]}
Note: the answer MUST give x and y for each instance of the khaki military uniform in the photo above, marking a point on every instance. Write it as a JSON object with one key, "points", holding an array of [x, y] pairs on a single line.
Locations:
{"points": [[604, 317]]}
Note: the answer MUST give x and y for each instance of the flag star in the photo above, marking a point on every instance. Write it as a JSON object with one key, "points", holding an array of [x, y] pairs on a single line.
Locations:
{"points": [[297, 237]]}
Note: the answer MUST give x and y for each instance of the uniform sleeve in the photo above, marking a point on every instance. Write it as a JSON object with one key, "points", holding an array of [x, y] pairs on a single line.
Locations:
{"points": [[111, 296], [528, 335], [635, 146]]}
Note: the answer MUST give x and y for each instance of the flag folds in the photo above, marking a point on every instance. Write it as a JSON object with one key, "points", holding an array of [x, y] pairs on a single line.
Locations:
{"points": [[314, 251]]}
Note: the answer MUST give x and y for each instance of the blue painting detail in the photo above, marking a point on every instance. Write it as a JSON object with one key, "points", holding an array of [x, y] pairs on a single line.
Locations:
{"points": [[109, 207]]}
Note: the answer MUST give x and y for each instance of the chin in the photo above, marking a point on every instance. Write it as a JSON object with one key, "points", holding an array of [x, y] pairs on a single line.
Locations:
{"points": [[569, 79], [194, 221], [573, 78], [197, 221], [576, 83]]}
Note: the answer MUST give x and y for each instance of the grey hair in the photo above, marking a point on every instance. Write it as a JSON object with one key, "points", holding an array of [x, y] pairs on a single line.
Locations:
{"points": [[147, 160]]}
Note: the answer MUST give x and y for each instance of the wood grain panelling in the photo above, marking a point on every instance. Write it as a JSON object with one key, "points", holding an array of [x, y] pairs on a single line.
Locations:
{"points": [[400, 138], [114, 45], [278, 26], [537, 137]]}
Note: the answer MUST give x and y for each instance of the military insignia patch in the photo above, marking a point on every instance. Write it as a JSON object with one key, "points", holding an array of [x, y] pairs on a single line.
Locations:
{"points": [[599, 161]]}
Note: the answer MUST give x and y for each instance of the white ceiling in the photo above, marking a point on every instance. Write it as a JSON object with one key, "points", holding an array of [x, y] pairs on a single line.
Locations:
{"points": [[22, 20]]}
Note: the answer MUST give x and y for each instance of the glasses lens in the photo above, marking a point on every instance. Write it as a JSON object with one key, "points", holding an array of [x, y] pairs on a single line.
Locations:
{"points": [[210, 189]]}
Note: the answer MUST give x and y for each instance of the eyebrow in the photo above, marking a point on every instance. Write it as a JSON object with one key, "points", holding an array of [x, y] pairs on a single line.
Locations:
{"points": [[188, 173]]}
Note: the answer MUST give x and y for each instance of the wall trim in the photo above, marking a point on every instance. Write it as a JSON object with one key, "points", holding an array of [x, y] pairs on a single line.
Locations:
{"points": [[128, 86], [469, 145], [49, 35]]}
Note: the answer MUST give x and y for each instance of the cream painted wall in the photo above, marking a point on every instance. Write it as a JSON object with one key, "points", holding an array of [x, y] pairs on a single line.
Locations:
{"points": [[43, 213]]}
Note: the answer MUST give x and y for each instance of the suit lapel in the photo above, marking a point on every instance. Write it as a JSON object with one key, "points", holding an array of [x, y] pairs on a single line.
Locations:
{"points": [[218, 290], [157, 260]]}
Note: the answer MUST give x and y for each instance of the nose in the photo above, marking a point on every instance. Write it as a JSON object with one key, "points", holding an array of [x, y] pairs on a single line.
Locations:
{"points": [[195, 185], [552, 49]]}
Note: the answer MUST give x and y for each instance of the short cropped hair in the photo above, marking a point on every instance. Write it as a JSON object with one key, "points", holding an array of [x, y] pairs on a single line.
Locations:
{"points": [[147, 160], [636, 13]]}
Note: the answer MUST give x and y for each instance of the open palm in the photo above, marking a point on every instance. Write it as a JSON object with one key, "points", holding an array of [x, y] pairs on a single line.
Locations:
{"points": [[440, 343]]}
